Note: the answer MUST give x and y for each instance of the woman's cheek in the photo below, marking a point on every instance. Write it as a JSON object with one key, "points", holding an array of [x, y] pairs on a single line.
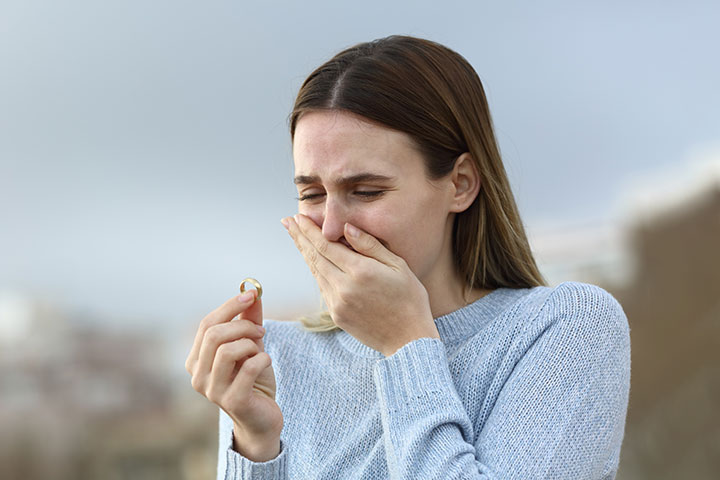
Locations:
{"points": [[390, 231], [373, 221]]}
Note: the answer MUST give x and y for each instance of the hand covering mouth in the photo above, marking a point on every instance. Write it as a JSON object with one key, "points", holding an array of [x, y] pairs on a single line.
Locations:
{"points": [[345, 242]]}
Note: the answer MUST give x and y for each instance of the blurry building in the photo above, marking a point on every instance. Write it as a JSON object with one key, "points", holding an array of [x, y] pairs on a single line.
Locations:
{"points": [[81, 400], [663, 266], [592, 253], [673, 307]]}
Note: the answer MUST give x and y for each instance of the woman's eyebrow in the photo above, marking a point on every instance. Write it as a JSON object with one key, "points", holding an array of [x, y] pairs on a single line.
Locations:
{"points": [[344, 181]]}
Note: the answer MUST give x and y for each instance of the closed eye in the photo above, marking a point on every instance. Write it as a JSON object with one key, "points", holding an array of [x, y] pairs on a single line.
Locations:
{"points": [[310, 196], [369, 193], [359, 193]]}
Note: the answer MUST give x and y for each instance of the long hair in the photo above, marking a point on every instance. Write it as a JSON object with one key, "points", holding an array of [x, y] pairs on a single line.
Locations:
{"points": [[433, 94]]}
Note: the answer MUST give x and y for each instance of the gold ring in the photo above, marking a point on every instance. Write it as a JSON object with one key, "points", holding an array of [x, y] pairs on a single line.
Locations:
{"points": [[255, 283]]}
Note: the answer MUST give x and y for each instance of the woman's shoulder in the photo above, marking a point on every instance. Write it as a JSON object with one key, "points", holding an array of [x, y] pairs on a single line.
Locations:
{"points": [[586, 300], [582, 308]]}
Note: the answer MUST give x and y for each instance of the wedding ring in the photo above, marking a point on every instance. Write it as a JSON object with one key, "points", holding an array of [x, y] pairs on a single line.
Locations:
{"points": [[255, 284]]}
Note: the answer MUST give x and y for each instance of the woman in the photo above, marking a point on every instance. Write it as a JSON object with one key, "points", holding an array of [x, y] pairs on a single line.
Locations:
{"points": [[442, 354]]}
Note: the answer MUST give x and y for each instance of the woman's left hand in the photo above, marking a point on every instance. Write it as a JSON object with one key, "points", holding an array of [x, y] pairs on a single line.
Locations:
{"points": [[371, 293]]}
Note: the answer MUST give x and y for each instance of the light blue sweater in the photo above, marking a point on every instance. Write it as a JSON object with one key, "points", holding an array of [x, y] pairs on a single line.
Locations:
{"points": [[524, 384]]}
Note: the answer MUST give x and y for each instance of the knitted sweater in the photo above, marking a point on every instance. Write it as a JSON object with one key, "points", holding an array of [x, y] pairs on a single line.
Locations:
{"points": [[523, 384]]}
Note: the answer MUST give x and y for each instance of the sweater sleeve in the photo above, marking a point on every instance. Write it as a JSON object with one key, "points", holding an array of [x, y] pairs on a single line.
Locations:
{"points": [[560, 414], [233, 466]]}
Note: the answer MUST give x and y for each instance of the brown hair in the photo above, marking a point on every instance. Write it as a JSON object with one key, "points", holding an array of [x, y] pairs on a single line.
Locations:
{"points": [[433, 94]]}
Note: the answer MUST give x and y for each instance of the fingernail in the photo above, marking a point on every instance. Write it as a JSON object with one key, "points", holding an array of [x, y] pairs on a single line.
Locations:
{"points": [[297, 218], [352, 230], [261, 329], [285, 223], [246, 297]]}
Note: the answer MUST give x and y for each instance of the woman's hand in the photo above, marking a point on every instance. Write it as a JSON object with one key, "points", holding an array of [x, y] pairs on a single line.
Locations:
{"points": [[371, 293], [230, 367]]}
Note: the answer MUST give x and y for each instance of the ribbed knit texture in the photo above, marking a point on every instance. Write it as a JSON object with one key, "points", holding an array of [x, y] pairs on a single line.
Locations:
{"points": [[523, 384]]}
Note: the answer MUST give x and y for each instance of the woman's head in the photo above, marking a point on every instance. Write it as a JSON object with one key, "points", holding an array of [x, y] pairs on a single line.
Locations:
{"points": [[434, 97], [350, 170]]}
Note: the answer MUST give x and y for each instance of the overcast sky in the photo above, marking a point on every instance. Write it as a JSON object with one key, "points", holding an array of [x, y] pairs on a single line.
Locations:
{"points": [[145, 160]]}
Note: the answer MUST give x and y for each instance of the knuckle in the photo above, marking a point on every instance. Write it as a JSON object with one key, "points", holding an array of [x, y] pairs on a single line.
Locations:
{"points": [[322, 248], [254, 334], [248, 345], [361, 274], [212, 394], [211, 318], [344, 294], [203, 327], [224, 351], [247, 327], [254, 365], [264, 358], [207, 320], [196, 384], [213, 335]]}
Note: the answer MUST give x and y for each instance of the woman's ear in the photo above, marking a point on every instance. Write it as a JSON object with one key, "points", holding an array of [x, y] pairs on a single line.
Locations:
{"points": [[466, 180]]}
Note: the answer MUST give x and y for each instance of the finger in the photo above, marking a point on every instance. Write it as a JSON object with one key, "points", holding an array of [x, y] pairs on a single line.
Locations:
{"points": [[322, 269], [250, 370], [327, 278], [224, 313], [337, 253], [225, 366], [370, 246], [254, 313], [327, 275], [219, 335]]}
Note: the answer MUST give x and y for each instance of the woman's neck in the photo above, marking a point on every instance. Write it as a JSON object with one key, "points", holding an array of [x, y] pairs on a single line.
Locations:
{"points": [[448, 294], [445, 285]]}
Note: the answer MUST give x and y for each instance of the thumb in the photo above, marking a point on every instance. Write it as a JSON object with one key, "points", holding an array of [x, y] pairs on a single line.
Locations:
{"points": [[255, 315], [254, 312], [369, 246]]}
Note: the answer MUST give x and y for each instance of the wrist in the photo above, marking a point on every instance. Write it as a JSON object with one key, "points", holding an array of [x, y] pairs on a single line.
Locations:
{"points": [[255, 449]]}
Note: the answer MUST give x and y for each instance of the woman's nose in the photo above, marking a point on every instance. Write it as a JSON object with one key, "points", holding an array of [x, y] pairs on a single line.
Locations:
{"points": [[333, 222]]}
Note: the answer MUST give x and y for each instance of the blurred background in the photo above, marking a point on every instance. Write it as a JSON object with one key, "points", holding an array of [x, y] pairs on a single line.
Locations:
{"points": [[145, 164]]}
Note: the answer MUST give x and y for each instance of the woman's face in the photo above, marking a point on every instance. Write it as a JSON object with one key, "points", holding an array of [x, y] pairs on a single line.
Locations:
{"points": [[350, 170]]}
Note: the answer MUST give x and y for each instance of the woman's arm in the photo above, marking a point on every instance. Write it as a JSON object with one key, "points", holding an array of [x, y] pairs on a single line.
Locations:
{"points": [[232, 465], [560, 414]]}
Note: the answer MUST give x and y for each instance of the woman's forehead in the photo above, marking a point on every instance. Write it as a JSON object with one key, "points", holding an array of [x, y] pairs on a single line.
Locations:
{"points": [[337, 144]]}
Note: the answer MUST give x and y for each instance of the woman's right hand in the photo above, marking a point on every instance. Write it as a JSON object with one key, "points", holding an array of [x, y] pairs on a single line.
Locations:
{"points": [[230, 367]]}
